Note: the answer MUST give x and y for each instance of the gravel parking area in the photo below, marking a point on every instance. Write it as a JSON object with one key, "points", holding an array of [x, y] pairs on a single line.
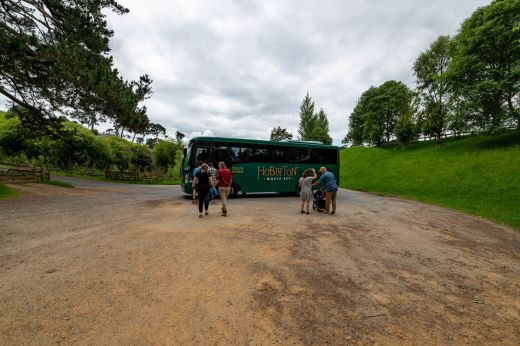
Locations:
{"points": [[133, 264]]}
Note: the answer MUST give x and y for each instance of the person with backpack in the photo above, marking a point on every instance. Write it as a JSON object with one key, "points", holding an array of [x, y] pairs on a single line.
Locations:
{"points": [[203, 186]]}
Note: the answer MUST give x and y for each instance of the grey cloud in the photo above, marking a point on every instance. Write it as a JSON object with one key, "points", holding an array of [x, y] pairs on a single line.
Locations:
{"points": [[238, 68]]}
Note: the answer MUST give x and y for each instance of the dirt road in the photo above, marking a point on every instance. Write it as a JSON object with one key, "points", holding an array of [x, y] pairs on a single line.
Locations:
{"points": [[118, 264]]}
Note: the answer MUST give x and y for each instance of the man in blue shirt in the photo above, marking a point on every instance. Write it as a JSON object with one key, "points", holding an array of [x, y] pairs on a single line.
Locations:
{"points": [[331, 189]]}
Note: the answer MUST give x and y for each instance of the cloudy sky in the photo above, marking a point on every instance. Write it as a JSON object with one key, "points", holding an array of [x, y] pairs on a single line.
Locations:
{"points": [[238, 68]]}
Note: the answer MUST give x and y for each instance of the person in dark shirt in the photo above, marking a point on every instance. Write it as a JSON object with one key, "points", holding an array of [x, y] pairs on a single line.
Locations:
{"points": [[204, 184]]}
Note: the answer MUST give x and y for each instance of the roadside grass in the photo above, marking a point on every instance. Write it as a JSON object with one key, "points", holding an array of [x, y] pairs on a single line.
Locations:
{"points": [[151, 181], [59, 183], [6, 192], [478, 175]]}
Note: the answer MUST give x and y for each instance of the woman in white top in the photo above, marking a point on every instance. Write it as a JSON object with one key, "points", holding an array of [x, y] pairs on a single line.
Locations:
{"points": [[306, 187]]}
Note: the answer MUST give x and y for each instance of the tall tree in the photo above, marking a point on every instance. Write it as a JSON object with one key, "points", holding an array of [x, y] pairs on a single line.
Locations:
{"points": [[485, 69], [279, 134], [377, 112], [307, 118], [430, 70], [54, 57], [321, 129], [313, 126]]}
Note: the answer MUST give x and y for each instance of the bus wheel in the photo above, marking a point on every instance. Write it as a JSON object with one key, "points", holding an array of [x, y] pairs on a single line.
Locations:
{"points": [[233, 193]]}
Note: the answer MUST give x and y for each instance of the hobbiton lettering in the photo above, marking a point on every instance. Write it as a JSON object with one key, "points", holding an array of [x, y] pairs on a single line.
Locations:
{"points": [[273, 171]]}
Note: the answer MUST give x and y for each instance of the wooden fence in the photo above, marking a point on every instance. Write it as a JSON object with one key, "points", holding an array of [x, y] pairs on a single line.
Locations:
{"points": [[121, 175], [11, 172]]}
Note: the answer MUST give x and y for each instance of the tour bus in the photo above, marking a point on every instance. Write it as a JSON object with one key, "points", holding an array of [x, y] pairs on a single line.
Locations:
{"points": [[259, 166]]}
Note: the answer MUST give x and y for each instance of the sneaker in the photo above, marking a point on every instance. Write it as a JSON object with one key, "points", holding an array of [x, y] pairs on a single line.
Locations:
{"points": [[200, 216], [206, 213], [308, 213], [304, 212], [332, 213]]}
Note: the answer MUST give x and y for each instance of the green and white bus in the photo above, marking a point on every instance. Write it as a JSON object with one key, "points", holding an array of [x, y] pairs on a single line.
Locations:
{"points": [[259, 166]]}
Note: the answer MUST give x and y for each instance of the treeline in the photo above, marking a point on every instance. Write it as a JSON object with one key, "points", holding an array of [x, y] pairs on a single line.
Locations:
{"points": [[55, 66], [464, 84], [72, 147]]}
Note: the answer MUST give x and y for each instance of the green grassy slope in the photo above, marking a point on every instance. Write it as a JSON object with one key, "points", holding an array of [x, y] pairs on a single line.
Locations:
{"points": [[479, 175], [6, 192]]}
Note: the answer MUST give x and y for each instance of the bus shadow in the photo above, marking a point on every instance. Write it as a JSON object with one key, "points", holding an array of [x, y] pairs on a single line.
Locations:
{"points": [[256, 195]]}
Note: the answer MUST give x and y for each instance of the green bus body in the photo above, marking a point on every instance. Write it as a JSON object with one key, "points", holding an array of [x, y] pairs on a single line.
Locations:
{"points": [[259, 166]]}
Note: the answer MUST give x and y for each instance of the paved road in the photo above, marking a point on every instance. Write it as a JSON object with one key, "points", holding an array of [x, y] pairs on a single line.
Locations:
{"points": [[132, 264]]}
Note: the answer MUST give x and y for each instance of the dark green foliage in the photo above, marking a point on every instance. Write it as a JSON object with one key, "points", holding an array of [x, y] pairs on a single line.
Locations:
{"points": [[141, 158], [485, 71], [430, 69], [164, 153], [405, 130], [313, 127], [467, 84], [377, 112], [279, 134], [71, 146], [54, 58]]}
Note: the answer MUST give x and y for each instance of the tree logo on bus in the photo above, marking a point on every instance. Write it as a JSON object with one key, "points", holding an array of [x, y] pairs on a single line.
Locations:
{"points": [[277, 172]]}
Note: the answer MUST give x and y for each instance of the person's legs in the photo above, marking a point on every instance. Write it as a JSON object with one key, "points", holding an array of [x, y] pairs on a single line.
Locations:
{"points": [[206, 203], [303, 205], [308, 202], [333, 197], [328, 197], [224, 191], [202, 200]]}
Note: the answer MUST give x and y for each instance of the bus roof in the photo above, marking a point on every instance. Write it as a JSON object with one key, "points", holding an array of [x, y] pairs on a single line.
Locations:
{"points": [[285, 143]]}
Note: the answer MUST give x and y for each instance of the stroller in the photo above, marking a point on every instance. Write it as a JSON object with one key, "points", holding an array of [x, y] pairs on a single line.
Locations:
{"points": [[319, 200]]}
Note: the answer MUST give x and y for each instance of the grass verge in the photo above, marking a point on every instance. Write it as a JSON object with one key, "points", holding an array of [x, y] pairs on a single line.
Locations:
{"points": [[479, 175], [151, 181], [6, 192]]}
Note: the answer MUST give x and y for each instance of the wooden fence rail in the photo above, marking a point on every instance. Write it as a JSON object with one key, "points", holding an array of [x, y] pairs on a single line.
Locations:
{"points": [[16, 173], [121, 175]]}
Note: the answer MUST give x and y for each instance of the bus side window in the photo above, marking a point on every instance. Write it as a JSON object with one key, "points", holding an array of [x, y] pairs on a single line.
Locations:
{"points": [[235, 155], [260, 155], [246, 155], [277, 155], [329, 156], [303, 155]]}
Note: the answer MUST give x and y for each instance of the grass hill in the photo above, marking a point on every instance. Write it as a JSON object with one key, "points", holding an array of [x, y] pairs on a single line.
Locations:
{"points": [[479, 175]]}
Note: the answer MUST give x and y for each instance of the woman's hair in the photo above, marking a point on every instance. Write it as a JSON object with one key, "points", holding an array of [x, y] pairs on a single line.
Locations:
{"points": [[204, 167], [305, 173]]}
